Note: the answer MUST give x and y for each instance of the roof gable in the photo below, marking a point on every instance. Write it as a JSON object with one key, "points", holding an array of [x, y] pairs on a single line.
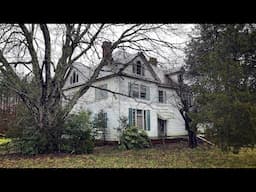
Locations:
{"points": [[129, 60]]}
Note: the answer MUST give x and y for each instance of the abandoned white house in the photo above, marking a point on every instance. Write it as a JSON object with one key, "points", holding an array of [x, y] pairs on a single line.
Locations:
{"points": [[147, 97]]}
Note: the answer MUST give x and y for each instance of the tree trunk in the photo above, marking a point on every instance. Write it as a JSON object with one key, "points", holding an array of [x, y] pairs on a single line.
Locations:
{"points": [[192, 141], [50, 126]]}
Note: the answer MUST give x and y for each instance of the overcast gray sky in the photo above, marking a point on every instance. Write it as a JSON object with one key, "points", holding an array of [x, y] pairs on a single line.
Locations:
{"points": [[178, 38]]}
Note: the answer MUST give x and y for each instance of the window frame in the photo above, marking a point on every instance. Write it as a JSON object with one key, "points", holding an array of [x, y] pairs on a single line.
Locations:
{"points": [[138, 65], [135, 88], [144, 88], [163, 96], [74, 78], [141, 89], [144, 115]]}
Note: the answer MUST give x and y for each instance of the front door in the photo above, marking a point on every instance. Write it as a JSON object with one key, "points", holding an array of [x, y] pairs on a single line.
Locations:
{"points": [[162, 128]]}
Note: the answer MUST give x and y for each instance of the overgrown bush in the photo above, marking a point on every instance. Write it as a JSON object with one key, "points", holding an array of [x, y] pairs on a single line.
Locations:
{"points": [[73, 136], [77, 135], [134, 138], [23, 120], [25, 136]]}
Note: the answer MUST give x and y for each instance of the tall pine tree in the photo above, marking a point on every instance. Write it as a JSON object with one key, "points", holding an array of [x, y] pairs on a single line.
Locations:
{"points": [[221, 60]]}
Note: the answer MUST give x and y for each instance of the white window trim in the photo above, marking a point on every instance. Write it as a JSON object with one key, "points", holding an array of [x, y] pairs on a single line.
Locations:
{"points": [[134, 68], [130, 91], [144, 118], [164, 96]]}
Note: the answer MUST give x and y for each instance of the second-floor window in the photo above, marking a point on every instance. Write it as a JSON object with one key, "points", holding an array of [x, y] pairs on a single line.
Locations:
{"points": [[74, 78], [139, 91], [162, 96], [138, 68], [101, 94]]}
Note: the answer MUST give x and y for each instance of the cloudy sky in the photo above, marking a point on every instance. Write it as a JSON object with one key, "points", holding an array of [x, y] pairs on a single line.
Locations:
{"points": [[177, 37]]}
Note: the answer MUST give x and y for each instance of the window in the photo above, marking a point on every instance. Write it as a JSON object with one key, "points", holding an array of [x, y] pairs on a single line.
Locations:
{"points": [[162, 96], [140, 122], [138, 68], [101, 120], [101, 94], [143, 92], [139, 118], [74, 78], [104, 119], [135, 90], [133, 117], [139, 91], [180, 79]]}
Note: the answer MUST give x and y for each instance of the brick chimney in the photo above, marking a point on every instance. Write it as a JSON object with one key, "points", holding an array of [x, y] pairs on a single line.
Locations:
{"points": [[153, 61], [106, 49]]}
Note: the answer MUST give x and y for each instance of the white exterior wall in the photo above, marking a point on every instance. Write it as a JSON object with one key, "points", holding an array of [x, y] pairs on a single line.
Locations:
{"points": [[110, 106], [117, 106], [175, 126]]}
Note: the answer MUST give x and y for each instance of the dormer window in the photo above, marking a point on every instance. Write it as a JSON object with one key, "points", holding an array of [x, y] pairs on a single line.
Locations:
{"points": [[138, 68], [74, 78], [180, 78]]}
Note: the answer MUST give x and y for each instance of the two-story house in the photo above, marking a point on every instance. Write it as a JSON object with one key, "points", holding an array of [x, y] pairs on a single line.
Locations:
{"points": [[147, 96]]}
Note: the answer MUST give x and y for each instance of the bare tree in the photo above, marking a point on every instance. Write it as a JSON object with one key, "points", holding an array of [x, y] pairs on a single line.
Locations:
{"points": [[185, 106], [48, 52]]}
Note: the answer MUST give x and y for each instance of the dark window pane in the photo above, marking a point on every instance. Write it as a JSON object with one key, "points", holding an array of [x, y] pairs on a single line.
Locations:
{"points": [[133, 117], [139, 68], [74, 77], [161, 96], [139, 119], [143, 92]]}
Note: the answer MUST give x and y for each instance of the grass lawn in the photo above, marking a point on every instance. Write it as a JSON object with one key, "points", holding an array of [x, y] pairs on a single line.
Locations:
{"points": [[172, 156], [4, 141]]}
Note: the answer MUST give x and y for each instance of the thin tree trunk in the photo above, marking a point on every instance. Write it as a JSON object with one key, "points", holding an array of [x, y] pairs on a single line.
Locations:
{"points": [[192, 141]]}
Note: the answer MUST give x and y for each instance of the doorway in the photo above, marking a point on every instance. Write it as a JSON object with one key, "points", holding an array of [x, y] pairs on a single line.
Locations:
{"points": [[162, 132]]}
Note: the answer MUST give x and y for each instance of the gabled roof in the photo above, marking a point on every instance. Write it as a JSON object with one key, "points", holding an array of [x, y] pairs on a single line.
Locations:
{"points": [[80, 67], [121, 57], [121, 60], [175, 70]]}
